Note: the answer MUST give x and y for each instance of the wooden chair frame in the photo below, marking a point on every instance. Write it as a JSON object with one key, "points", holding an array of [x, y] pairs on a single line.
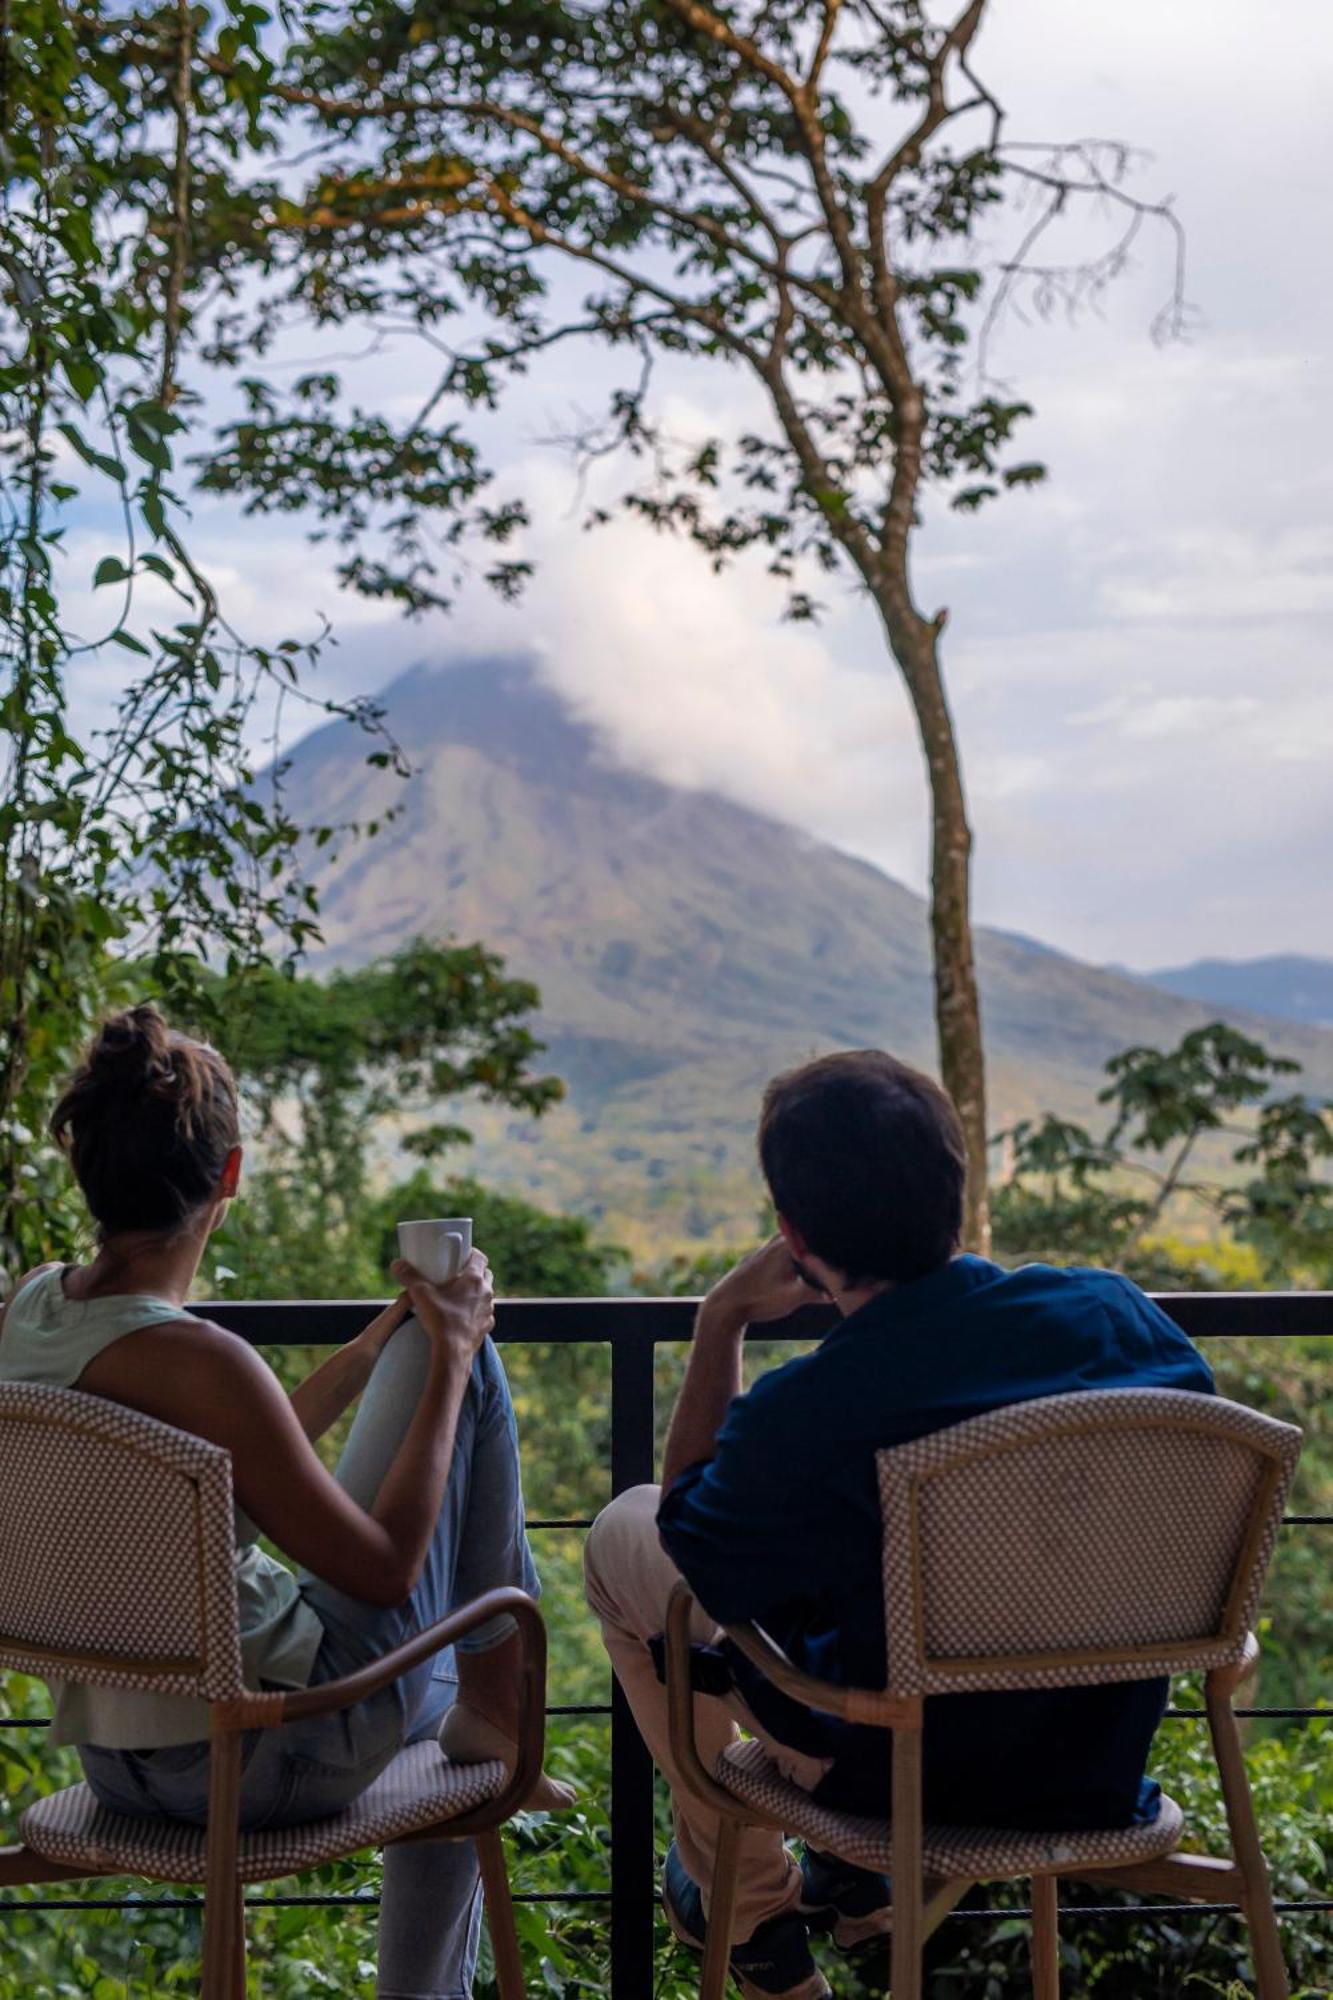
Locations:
{"points": [[1228, 1655], [920, 1904], [224, 1912]]}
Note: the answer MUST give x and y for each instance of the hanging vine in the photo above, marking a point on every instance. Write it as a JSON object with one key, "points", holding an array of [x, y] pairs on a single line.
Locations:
{"points": [[137, 843]]}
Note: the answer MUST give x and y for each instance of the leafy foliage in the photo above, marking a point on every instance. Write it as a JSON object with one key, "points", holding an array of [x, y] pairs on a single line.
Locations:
{"points": [[147, 837], [1069, 1194], [326, 1067], [716, 179]]}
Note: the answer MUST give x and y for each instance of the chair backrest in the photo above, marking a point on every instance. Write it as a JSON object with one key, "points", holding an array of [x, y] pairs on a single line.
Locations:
{"points": [[117, 1548], [1108, 1535]]}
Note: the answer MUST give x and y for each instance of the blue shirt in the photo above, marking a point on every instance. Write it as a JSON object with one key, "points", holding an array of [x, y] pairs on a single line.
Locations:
{"points": [[782, 1526]]}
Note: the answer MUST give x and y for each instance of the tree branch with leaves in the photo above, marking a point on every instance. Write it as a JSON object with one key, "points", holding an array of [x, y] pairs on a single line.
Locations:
{"points": [[1070, 1194], [794, 193]]}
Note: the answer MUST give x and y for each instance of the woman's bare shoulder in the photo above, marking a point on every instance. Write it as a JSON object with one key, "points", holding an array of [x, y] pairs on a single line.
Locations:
{"points": [[181, 1370]]}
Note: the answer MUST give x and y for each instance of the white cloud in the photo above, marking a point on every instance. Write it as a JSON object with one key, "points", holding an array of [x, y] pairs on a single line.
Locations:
{"points": [[1141, 714], [1227, 573], [696, 678]]}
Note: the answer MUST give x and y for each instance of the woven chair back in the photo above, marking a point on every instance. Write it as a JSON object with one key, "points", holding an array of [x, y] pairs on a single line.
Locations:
{"points": [[117, 1548], [1108, 1535]]}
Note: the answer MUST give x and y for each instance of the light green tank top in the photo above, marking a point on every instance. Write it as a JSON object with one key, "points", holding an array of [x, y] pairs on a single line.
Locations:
{"points": [[50, 1338]]}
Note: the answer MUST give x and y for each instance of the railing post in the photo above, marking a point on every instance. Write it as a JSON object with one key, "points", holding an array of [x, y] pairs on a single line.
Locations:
{"points": [[633, 1888]]}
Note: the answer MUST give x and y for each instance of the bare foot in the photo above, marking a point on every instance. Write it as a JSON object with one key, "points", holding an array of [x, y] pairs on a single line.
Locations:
{"points": [[468, 1737]]}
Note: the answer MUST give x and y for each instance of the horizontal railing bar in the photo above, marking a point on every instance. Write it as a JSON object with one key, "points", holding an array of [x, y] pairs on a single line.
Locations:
{"points": [[604, 1708], [132, 1903], [1151, 1910], [1288, 1521], [564, 1708], [371, 1902], [654, 1322], [1270, 1714]]}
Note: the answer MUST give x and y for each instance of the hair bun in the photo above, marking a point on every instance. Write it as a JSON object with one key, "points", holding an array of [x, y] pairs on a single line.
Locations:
{"points": [[148, 1119], [134, 1050]]}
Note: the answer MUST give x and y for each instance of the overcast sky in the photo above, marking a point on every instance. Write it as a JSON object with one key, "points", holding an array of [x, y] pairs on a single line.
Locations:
{"points": [[1138, 652]]}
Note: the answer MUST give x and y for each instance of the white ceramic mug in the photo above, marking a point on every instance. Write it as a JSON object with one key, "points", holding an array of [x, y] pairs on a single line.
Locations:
{"points": [[439, 1250]]}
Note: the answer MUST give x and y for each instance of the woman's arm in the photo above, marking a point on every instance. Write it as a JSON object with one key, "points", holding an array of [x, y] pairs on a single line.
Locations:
{"points": [[212, 1383], [320, 1400]]}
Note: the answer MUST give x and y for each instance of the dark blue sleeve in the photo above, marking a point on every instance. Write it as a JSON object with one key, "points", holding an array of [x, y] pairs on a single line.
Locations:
{"points": [[749, 1529], [1171, 1360]]}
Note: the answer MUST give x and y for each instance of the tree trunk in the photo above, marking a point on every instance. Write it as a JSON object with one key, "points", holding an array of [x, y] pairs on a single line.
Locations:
{"points": [[915, 644]]}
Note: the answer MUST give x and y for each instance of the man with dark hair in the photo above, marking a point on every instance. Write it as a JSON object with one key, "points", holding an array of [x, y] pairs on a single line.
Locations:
{"points": [[769, 1504]]}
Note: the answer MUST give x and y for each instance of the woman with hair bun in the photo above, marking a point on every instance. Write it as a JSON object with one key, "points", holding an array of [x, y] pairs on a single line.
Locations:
{"points": [[424, 1511]]}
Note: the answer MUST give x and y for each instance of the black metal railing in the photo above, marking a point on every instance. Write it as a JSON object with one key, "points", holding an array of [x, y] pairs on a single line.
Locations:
{"points": [[633, 1330]]}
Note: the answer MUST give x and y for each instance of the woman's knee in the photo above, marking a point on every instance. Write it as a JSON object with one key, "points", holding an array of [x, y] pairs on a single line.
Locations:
{"points": [[490, 1384]]}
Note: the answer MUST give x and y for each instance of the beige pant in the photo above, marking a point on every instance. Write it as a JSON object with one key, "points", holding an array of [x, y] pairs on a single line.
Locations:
{"points": [[629, 1579]]}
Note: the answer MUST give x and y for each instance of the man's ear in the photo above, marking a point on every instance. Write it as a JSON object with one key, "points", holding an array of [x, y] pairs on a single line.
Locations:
{"points": [[792, 1237], [231, 1175]]}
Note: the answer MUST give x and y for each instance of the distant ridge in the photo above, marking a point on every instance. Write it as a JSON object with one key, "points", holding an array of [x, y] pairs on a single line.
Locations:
{"points": [[1286, 985], [685, 948]]}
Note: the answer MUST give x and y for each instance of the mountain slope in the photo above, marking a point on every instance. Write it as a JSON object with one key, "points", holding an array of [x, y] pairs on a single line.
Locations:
{"points": [[685, 948], [1287, 986]]}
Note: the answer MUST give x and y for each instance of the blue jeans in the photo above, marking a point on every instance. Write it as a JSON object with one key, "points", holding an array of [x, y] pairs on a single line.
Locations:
{"points": [[430, 1908]]}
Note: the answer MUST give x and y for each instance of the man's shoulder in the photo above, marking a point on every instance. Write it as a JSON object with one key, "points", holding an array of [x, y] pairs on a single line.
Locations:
{"points": [[1119, 1330], [1112, 1289], [1073, 1285]]}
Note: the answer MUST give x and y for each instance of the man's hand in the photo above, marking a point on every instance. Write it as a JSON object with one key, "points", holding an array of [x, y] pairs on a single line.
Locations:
{"points": [[764, 1286], [457, 1316]]}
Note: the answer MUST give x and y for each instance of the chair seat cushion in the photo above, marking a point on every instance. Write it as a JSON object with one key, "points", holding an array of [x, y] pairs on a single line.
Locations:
{"points": [[419, 1788], [981, 1852]]}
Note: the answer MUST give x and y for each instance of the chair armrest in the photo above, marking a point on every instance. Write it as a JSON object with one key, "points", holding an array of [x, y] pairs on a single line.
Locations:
{"points": [[690, 1769], [1226, 1681], [302, 1702], [854, 1704], [269, 1711], [864, 1705]]}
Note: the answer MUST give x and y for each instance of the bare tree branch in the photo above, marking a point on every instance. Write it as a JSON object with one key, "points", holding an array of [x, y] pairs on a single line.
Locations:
{"points": [[1074, 283], [828, 28]]}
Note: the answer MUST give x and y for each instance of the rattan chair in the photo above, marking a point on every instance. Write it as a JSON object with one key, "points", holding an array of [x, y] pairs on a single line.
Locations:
{"points": [[1108, 1535], [117, 1567]]}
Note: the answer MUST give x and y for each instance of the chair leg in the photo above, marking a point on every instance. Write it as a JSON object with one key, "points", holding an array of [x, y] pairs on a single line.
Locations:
{"points": [[238, 1944], [908, 1887], [221, 1948], [1265, 1943], [500, 1916], [222, 1900], [721, 1909], [1045, 1937]]}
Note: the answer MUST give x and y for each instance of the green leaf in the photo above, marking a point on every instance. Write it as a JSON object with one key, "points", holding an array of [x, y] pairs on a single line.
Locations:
{"points": [[153, 510], [110, 570], [82, 374]]}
